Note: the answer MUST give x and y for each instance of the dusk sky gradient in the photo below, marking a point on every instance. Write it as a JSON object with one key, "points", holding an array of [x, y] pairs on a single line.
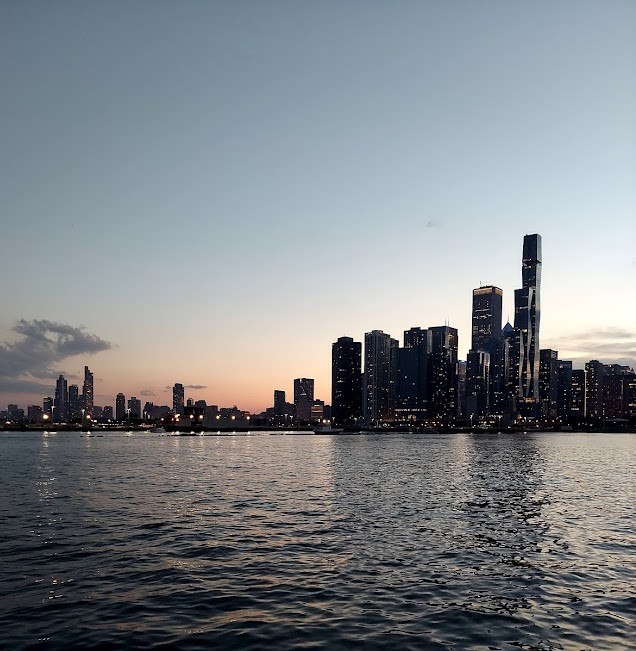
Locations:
{"points": [[221, 189]]}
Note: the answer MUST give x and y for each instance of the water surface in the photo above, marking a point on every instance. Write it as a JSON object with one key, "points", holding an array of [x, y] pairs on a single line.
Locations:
{"points": [[406, 541]]}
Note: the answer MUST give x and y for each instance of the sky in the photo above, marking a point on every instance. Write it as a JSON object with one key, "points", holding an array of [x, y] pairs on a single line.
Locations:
{"points": [[213, 192]]}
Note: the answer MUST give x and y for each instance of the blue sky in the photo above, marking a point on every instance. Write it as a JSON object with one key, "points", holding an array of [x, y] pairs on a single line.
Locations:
{"points": [[221, 189]]}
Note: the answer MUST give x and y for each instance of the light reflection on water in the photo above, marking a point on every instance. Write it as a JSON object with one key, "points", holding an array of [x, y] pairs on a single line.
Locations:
{"points": [[438, 541]]}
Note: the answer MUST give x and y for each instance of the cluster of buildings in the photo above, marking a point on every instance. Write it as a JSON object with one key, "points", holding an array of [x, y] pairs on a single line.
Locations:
{"points": [[507, 378]]}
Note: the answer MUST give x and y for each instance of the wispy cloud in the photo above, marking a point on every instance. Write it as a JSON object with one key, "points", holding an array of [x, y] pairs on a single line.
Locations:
{"points": [[609, 345], [147, 393], [26, 364], [194, 387]]}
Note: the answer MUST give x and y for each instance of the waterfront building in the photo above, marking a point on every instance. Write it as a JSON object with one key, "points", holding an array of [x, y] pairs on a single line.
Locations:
{"points": [[524, 352], [578, 409], [279, 402], [616, 391], [346, 381], [34, 414], [443, 403], [74, 408], [411, 375], [380, 354], [487, 337], [461, 389], [477, 385], [120, 407], [61, 400], [594, 375], [548, 383], [47, 406], [87, 394], [134, 408], [178, 399], [107, 413], [564, 390], [303, 398], [317, 411]]}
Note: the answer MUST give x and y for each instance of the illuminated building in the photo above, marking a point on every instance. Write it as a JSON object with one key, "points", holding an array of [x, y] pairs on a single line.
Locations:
{"points": [[548, 383], [346, 381], [442, 392], [378, 395], [303, 398], [178, 399], [87, 393], [524, 353], [120, 407]]}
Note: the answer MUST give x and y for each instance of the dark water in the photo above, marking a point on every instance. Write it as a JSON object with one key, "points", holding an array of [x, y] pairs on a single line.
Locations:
{"points": [[426, 542]]}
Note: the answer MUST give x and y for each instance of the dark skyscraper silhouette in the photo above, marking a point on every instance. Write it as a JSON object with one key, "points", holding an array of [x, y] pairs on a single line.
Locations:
{"points": [[548, 383], [120, 407], [303, 398], [485, 373], [346, 381], [87, 393], [279, 402], [61, 400], [178, 399], [525, 349], [412, 374], [442, 374], [380, 354]]}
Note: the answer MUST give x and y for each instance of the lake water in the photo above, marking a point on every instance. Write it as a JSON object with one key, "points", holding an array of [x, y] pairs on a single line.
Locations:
{"points": [[446, 541]]}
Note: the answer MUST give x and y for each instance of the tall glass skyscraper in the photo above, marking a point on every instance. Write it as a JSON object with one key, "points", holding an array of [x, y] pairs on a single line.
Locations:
{"points": [[484, 372], [525, 349]]}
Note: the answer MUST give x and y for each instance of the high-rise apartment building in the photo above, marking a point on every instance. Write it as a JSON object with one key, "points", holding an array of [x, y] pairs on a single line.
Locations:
{"points": [[74, 408], [548, 383], [279, 402], [303, 398], [578, 408], [594, 375], [411, 375], [60, 414], [564, 390], [443, 403], [87, 393], [134, 408], [378, 393], [120, 407], [477, 384], [346, 381], [178, 399]]}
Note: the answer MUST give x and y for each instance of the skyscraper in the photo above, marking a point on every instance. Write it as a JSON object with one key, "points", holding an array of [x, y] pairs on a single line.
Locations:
{"points": [[477, 384], [279, 402], [564, 390], [134, 408], [525, 349], [178, 399], [411, 375], [380, 356], [74, 409], [120, 407], [594, 374], [442, 374], [303, 398], [61, 400], [578, 408], [548, 383], [87, 393], [487, 338], [346, 380]]}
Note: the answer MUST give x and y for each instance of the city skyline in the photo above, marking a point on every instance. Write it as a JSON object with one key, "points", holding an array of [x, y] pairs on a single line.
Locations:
{"points": [[215, 211], [503, 363]]}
